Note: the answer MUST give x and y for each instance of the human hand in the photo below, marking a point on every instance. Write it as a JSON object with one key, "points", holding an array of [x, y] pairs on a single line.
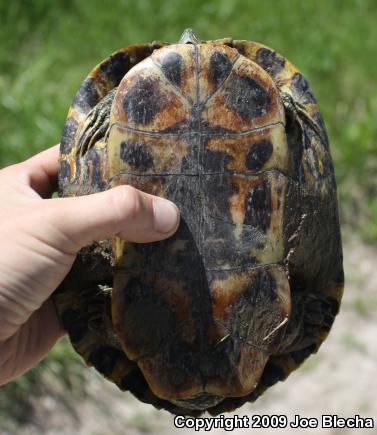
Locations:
{"points": [[40, 238]]}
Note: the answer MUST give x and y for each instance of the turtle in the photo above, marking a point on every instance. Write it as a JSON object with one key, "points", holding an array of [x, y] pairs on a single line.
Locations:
{"points": [[249, 285]]}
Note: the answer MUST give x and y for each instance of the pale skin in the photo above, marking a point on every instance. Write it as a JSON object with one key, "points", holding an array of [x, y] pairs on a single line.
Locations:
{"points": [[40, 237]]}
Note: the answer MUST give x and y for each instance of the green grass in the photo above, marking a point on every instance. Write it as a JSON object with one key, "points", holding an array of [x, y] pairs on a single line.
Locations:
{"points": [[48, 47]]}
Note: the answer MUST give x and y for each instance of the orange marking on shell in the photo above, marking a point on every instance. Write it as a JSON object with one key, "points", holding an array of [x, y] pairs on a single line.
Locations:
{"points": [[172, 108], [103, 84], [237, 202], [220, 112], [224, 294]]}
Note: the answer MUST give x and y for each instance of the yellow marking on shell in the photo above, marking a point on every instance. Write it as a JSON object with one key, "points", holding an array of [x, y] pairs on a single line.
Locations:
{"points": [[237, 202], [79, 117], [280, 156], [221, 41], [238, 229], [249, 48], [118, 250], [285, 76], [125, 253], [101, 145]]}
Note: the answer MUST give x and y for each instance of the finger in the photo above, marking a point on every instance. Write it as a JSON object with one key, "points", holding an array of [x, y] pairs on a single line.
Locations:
{"points": [[42, 171], [31, 342], [124, 211]]}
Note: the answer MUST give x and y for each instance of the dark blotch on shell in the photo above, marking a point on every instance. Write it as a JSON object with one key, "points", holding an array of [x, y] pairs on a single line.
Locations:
{"points": [[116, 66], [143, 101], [134, 382], [300, 355], [247, 98], [327, 322], [104, 359], [74, 324], [185, 362], [294, 140], [65, 170], [301, 89], [220, 67], [258, 297], [137, 385], [68, 135], [259, 155], [334, 305], [270, 61], [147, 337], [215, 161], [172, 66], [322, 129], [135, 154], [258, 207], [87, 96], [272, 374], [267, 282]]}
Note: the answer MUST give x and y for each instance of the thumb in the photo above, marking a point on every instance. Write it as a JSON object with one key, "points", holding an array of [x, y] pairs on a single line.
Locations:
{"points": [[124, 211]]}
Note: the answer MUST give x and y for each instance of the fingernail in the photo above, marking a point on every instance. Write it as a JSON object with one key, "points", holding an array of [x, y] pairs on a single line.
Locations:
{"points": [[166, 215]]}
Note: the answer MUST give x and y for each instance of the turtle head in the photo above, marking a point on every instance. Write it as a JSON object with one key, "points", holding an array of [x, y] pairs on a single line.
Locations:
{"points": [[189, 37]]}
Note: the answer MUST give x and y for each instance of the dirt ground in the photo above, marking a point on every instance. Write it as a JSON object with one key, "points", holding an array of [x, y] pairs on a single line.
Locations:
{"points": [[341, 379]]}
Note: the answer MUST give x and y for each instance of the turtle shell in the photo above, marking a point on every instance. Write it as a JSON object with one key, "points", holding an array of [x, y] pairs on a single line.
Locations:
{"points": [[249, 285]]}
